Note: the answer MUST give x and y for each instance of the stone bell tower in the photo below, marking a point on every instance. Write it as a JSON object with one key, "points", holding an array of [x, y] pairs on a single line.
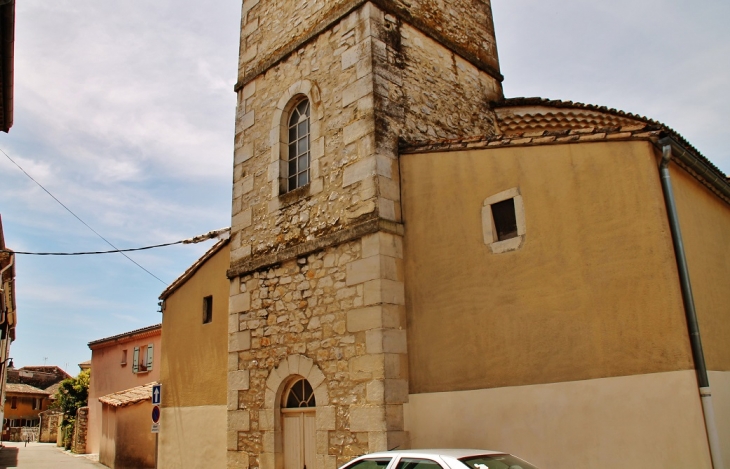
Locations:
{"points": [[318, 369]]}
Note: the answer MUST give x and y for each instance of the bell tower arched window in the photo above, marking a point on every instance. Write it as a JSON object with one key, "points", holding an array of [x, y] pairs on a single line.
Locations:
{"points": [[298, 158]]}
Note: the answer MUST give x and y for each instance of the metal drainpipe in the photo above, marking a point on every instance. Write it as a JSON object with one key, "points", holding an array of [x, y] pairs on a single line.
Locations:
{"points": [[690, 312]]}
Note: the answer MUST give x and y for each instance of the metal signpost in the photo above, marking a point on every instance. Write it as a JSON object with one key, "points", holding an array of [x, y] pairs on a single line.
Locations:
{"points": [[156, 401]]}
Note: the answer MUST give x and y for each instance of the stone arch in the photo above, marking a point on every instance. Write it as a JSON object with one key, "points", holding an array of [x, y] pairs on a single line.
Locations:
{"points": [[289, 368], [278, 136]]}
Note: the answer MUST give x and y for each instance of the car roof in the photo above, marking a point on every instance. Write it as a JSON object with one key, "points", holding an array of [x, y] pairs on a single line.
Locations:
{"points": [[454, 453]]}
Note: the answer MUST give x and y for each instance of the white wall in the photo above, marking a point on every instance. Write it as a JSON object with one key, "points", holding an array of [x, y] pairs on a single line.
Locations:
{"points": [[652, 420]]}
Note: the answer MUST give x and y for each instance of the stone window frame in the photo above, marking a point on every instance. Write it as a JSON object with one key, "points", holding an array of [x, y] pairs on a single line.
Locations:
{"points": [[291, 368], [279, 139], [489, 230]]}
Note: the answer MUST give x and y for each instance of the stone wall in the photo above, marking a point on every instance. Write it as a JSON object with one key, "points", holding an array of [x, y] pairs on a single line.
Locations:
{"points": [[465, 26], [50, 422], [337, 318], [371, 80], [78, 442]]}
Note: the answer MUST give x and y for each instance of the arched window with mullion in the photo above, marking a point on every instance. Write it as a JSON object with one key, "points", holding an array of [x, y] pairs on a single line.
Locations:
{"points": [[299, 145]]}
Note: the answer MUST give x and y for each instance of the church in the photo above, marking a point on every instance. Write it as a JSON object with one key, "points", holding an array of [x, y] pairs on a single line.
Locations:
{"points": [[417, 261]]}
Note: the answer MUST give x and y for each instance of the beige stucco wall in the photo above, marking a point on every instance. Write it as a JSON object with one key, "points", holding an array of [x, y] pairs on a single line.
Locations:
{"points": [[194, 361], [192, 437], [705, 224], [652, 420], [128, 442], [592, 292], [108, 376]]}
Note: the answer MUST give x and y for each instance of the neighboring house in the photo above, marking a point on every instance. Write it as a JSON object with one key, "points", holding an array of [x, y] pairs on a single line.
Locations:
{"points": [[30, 391], [8, 313], [23, 403], [417, 261], [125, 364], [127, 441], [83, 366], [195, 311]]}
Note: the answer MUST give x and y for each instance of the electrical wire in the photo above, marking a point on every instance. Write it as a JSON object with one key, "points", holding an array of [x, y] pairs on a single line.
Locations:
{"points": [[220, 234], [88, 253], [79, 219]]}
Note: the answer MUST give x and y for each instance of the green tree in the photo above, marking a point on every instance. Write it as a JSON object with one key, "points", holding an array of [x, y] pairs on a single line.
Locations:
{"points": [[72, 394]]}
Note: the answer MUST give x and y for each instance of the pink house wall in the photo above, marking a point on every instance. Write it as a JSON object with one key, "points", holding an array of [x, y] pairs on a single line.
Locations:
{"points": [[108, 375]]}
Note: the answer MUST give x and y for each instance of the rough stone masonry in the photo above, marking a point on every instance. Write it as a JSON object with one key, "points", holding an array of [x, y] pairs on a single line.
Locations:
{"points": [[317, 285]]}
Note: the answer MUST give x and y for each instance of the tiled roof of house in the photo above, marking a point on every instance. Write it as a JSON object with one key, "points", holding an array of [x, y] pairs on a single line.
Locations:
{"points": [[581, 120], [128, 396], [193, 268], [542, 137], [538, 121], [143, 332], [18, 388], [52, 389]]}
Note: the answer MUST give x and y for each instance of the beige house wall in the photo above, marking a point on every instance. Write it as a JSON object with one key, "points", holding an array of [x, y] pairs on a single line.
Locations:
{"points": [[592, 292], [127, 442], [705, 222], [193, 368], [652, 420], [108, 375], [190, 440]]}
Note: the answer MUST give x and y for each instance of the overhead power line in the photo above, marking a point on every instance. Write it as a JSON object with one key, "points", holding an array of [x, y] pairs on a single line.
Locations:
{"points": [[116, 249], [222, 233]]}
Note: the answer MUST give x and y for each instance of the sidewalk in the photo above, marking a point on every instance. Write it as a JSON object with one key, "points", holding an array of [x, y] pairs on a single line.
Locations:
{"points": [[42, 456]]}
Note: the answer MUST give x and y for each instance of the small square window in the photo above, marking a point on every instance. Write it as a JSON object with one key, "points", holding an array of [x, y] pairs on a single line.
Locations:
{"points": [[207, 309], [503, 221]]}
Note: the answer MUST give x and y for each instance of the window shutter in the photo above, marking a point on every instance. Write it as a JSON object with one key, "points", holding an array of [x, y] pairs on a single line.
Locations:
{"points": [[135, 360], [149, 357]]}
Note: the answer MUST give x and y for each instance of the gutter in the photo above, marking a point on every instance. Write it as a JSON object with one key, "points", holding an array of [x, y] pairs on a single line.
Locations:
{"points": [[688, 299], [694, 163]]}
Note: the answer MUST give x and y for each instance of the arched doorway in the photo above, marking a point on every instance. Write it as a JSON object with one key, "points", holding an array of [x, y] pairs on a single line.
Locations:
{"points": [[298, 423]]}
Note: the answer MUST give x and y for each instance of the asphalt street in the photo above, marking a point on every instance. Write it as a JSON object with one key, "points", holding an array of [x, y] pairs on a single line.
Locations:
{"points": [[41, 456]]}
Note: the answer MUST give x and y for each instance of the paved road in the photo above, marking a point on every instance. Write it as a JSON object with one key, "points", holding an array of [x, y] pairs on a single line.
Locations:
{"points": [[41, 456]]}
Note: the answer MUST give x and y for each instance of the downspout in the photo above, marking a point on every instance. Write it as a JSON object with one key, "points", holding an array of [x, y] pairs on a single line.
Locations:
{"points": [[690, 312]]}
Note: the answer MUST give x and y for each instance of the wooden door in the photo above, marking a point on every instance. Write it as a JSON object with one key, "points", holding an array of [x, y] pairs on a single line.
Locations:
{"points": [[299, 438]]}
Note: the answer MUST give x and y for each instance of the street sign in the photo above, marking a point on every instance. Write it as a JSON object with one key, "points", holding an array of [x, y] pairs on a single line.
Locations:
{"points": [[155, 428], [157, 394], [156, 414]]}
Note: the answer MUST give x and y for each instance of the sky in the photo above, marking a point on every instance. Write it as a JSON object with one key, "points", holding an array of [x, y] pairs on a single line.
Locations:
{"points": [[124, 111]]}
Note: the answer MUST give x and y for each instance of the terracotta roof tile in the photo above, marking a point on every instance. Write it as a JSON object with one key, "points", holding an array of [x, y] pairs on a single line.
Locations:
{"points": [[23, 389], [145, 330], [128, 396]]}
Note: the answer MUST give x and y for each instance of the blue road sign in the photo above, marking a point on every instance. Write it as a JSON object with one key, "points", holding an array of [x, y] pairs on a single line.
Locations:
{"points": [[157, 394], [156, 414]]}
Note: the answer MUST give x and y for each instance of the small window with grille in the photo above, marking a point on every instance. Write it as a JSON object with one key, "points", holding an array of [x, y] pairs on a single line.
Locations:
{"points": [[299, 147]]}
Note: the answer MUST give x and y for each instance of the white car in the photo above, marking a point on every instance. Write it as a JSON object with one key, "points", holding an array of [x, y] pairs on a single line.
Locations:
{"points": [[438, 459]]}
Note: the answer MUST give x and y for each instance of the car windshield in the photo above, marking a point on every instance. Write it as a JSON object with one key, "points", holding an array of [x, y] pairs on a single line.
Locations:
{"points": [[496, 461]]}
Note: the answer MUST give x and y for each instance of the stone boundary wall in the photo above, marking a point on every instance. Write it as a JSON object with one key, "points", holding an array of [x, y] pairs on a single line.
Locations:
{"points": [[50, 422], [78, 443]]}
